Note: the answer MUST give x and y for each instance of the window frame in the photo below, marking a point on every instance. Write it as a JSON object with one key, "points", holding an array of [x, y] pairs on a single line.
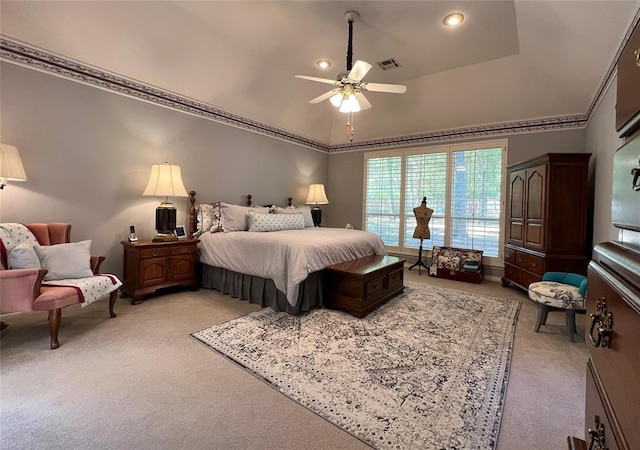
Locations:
{"points": [[450, 149]]}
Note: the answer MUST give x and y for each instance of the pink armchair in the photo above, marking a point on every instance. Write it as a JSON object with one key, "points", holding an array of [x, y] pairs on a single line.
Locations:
{"points": [[22, 290]]}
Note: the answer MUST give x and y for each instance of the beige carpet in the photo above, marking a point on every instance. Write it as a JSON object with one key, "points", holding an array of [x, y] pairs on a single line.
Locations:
{"points": [[140, 381]]}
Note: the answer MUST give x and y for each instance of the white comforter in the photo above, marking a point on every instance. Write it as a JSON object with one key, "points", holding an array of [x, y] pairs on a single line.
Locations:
{"points": [[287, 257]]}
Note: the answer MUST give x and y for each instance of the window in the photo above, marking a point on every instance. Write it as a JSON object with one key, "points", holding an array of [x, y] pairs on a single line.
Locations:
{"points": [[462, 184]]}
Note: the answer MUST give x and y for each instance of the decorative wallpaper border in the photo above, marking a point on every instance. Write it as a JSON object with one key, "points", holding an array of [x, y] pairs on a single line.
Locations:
{"points": [[24, 54]]}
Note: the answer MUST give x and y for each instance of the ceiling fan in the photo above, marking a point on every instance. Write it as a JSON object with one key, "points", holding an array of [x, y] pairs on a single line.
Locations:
{"points": [[347, 93]]}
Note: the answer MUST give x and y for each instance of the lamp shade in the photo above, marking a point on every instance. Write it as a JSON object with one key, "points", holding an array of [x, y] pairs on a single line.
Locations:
{"points": [[10, 165], [317, 195], [165, 180]]}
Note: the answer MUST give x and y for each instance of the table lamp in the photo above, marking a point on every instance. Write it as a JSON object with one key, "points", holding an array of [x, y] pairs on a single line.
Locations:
{"points": [[165, 180], [10, 165], [317, 197]]}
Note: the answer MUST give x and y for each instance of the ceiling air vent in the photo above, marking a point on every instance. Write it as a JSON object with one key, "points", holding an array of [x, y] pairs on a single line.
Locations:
{"points": [[388, 64]]}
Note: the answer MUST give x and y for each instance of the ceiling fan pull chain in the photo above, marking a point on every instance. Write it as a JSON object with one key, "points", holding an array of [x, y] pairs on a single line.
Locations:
{"points": [[350, 126]]}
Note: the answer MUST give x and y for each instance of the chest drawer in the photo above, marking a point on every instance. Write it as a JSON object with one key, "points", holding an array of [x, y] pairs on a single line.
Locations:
{"points": [[522, 260], [509, 255], [535, 264]]}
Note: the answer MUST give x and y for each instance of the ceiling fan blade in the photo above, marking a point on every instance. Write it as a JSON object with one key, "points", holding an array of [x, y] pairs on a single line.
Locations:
{"points": [[381, 87], [321, 80], [362, 100], [325, 96], [359, 70]]}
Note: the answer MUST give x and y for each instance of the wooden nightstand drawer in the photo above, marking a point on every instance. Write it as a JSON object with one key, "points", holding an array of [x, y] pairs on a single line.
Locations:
{"points": [[184, 250], [155, 253]]}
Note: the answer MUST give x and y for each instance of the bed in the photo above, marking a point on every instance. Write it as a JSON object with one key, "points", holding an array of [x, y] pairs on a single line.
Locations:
{"points": [[282, 269]]}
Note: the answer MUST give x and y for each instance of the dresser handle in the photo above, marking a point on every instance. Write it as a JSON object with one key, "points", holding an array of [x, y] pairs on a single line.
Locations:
{"points": [[635, 185], [637, 53], [534, 264], [184, 250], [154, 254], [604, 320], [597, 436]]}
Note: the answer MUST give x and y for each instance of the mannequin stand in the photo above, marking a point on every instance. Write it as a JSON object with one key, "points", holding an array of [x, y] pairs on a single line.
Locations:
{"points": [[419, 262]]}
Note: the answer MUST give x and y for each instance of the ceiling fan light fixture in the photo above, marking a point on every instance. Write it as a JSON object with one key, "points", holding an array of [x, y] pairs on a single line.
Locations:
{"points": [[350, 104], [323, 63], [336, 100], [453, 19]]}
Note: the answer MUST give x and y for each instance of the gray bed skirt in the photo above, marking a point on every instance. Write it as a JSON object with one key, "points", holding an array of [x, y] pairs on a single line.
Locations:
{"points": [[262, 290]]}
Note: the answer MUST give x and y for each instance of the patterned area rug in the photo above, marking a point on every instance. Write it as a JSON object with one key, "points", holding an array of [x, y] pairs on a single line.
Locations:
{"points": [[426, 370]]}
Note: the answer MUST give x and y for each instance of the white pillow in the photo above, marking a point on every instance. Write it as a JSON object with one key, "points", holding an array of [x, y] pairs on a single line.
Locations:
{"points": [[234, 217], [305, 210], [23, 256], [65, 260], [275, 222]]}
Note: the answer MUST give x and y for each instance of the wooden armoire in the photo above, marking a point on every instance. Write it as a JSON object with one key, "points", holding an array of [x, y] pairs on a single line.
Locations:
{"points": [[547, 204]]}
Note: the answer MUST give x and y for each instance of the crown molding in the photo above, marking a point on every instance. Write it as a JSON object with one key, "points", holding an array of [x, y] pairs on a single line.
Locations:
{"points": [[30, 56]]}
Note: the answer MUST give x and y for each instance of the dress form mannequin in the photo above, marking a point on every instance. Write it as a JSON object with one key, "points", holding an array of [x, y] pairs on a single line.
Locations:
{"points": [[423, 216]]}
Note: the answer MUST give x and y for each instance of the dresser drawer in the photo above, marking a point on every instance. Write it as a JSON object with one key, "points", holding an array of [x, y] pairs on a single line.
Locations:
{"points": [[597, 415]]}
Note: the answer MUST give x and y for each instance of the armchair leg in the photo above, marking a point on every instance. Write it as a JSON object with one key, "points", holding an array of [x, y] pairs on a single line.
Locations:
{"points": [[54, 326], [112, 302]]}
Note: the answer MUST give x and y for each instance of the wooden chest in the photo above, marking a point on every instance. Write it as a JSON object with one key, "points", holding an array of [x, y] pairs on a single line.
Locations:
{"points": [[361, 285]]}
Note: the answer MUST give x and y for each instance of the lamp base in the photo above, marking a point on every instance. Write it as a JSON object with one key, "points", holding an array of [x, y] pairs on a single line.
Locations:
{"points": [[316, 214], [165, 237]]}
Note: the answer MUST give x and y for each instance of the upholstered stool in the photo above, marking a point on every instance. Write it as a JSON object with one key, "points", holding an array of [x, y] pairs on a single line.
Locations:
{"points": [[559, 291]]}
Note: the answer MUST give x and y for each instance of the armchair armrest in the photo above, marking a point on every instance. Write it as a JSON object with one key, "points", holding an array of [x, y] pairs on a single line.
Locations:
{"points": [[95, 263], [19, 288]]}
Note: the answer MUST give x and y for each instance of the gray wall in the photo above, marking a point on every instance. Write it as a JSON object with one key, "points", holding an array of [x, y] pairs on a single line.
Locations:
{"points": [[88, 155]]}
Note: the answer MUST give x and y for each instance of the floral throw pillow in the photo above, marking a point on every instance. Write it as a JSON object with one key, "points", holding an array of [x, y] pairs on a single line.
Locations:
{"points": [[209, 218]]}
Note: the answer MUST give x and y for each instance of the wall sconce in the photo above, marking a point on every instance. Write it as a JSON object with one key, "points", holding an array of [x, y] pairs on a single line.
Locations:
{"points": [[317, 197], [10, 165], [165, 180]]}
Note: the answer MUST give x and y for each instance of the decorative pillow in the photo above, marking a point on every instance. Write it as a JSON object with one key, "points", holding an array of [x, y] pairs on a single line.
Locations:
{"points": [[275, 222], [305, 210], [23, 256], [471, 266], [449, 262], [65, 260], [209, 218], [234, 217]]}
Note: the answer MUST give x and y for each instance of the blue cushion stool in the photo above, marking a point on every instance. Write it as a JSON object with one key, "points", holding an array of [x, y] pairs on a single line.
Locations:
{"points": [[559, 291]]}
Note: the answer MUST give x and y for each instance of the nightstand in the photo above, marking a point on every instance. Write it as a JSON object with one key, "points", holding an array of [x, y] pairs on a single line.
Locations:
{"points": [[149, 266]]}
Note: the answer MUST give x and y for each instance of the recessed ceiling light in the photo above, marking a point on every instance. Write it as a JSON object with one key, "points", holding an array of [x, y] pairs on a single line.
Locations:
{"points": [[453, 19], [323, 63]]}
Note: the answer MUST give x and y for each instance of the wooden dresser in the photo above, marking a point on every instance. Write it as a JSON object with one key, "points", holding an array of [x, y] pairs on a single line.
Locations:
{"points": [[547, 203], [612, 406], [612, 409]]}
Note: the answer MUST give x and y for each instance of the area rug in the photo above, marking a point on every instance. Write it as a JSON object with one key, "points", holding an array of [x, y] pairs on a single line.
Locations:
{"points": [[426, 370]]}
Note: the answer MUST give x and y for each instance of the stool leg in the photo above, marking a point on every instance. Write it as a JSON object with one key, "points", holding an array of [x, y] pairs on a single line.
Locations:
{"points": [[571, 323], [543, 311]]}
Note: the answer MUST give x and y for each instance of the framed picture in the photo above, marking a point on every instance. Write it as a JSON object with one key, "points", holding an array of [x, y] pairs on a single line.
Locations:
{"points": [[180, 233]]}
